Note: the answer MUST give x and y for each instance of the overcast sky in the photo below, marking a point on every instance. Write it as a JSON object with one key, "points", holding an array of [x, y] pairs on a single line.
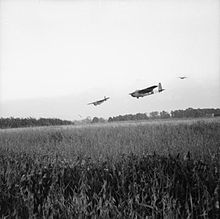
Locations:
{"points": [[56, 56]]}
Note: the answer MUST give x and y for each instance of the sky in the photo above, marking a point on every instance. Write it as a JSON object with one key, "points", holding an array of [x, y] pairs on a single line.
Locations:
{"points": [[57, 56]]}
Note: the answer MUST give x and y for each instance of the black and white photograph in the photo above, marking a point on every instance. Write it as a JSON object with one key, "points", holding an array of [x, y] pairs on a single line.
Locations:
{"points": [[109, 109]]}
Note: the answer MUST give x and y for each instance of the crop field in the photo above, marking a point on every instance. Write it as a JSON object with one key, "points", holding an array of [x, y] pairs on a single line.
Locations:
{"points": [[149, 169]]}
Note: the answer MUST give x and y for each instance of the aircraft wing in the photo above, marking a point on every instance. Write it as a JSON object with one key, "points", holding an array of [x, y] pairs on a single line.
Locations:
{"points": [[96, 102], [147, 90], [91, 103]]}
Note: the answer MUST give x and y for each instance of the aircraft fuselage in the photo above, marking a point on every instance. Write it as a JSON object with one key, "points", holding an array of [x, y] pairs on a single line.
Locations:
{"points": [[137, 94], [98, 102]]}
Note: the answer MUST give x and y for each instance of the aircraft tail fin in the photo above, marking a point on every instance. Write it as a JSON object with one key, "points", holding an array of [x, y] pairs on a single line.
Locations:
{"points": [[160, 89]]}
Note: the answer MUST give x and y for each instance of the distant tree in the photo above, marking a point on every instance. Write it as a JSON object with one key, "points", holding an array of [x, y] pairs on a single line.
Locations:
{"points": [[27, 122], [154, 115], [110, 119], [102, 120], [194, 113], [95, 120], [141, 116], [128, 117], [164, 115], [177, 114]]}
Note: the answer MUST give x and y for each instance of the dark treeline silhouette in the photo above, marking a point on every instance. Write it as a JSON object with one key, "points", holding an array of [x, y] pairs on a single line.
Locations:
{"points": [[98, 120], [28, 122], [187, 113], [138, 116], [195, 113]]}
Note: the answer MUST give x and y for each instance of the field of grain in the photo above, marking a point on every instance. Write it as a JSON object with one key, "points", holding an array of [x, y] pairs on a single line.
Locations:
{"points": [[152, 169]]}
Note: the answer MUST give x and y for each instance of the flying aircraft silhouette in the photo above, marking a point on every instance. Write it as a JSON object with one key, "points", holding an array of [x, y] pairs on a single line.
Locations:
{"points": [[98, 102], [183, 77], [147, 91]]}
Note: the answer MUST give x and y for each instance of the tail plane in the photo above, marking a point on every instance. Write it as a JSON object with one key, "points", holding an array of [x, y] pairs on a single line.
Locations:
{"points": [[160, 89]]}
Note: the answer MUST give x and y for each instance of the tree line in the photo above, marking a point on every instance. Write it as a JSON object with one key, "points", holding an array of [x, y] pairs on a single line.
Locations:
{"points": [[195, 113], [187, 113], [31, 122]]}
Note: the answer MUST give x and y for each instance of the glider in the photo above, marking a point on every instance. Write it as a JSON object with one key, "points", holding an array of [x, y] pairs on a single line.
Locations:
{"points": [[98, 102], [147, 91]]}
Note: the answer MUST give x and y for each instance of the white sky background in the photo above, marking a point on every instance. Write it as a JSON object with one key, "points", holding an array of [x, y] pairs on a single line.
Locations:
{"points": [[56, 56]]}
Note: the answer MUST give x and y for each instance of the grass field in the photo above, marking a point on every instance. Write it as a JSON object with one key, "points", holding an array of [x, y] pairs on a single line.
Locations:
{"points": [[148, 169]]}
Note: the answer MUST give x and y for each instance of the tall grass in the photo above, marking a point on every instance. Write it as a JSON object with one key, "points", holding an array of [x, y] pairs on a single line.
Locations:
{"points": [[119, 170]]}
